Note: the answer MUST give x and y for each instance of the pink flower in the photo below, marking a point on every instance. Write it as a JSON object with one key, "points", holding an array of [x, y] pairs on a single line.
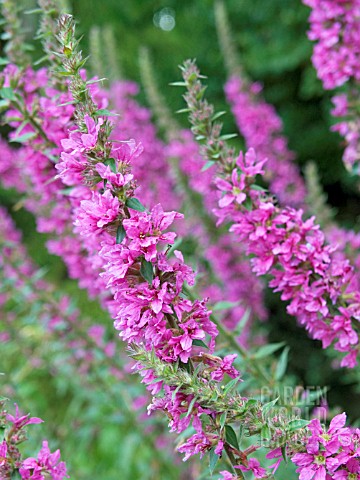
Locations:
{"points": [[115, 179], [20, 421], [3, 452], [253, 466], [47, 464], [234, 188], [227, 475], [96, 213]]}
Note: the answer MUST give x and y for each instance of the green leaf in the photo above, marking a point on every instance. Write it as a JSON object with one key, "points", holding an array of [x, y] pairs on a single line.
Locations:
{"points": [[282, 364], [267, 350], [135, 204], [241, 325], [268, 406], [24, 138], [283, 452], [207, 165], [111, 162], [66, 191], [33, 10], [191, 406], [120, 234], [183, 110], [217, 115], [8, 93], [91, 82], [178, 84], [223, 419], [251, 402], [297, 424], [213, 459], [146, 270], [64, 73], [224, 305], [265, 433], [3, 61], [199, 343], [175, 392], [230, 436], [104, 112], [231, 385], [241, 432], [21, 127], [258, 187], [4, 104], [175, 246], [228, 136]]}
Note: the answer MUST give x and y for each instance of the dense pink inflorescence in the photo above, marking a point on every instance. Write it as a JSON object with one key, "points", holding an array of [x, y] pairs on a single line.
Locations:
{"points": [[141, 306], [331, 453], [335, 27], [293, 251], [227, 258]]}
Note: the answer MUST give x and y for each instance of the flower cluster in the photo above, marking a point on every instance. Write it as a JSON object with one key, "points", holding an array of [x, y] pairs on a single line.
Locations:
{"points": [[302, 266], [292, 250], [335, 25], [149, 307], [47, 465], [330, 453]]}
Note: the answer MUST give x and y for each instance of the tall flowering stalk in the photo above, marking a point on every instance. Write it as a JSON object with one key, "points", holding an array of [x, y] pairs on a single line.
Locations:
{"points": [[161, 325], [292, 250], [334, 26], [258, 122], [60, 338], [262, 130], [233, 281]]}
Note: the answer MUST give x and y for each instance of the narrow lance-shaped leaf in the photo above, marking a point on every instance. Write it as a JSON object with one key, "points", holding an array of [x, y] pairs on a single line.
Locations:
{"points": [[120, 234], [230, 436], [282, 364], [135, 204], [213, 459], [146, 270]]}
